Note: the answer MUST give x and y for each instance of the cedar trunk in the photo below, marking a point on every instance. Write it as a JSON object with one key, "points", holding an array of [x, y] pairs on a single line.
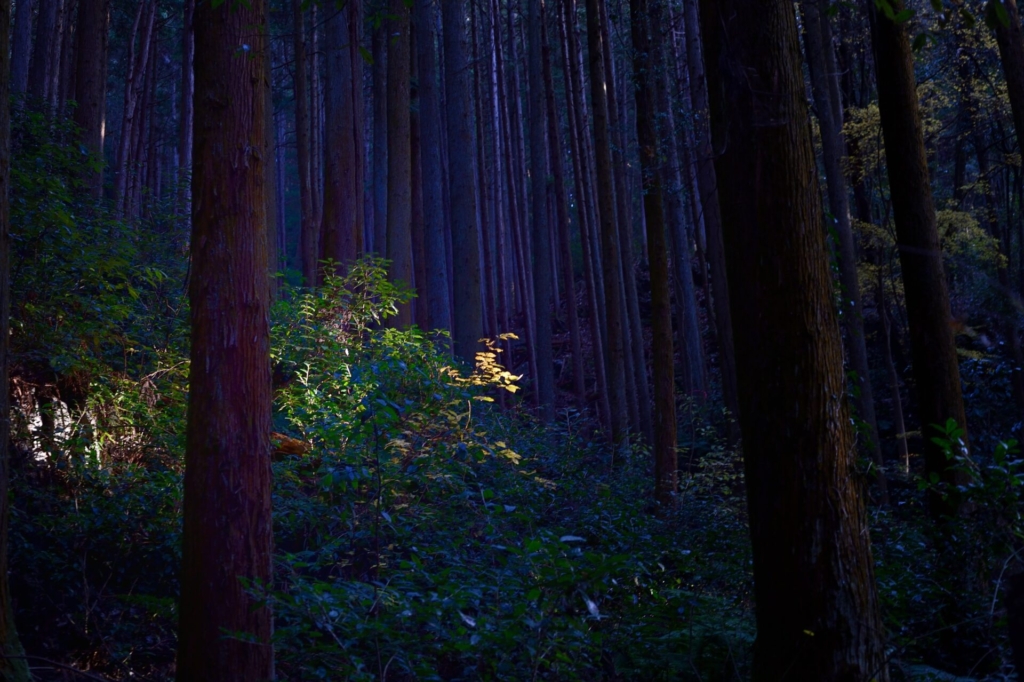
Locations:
{"points": [[935, 369], [467, 310], [399, 218], [817, 609], [227, 536], [308, 247], [91, 81]]}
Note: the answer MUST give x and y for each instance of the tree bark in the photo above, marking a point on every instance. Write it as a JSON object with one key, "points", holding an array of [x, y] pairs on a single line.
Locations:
{"points": [[379, 169], [467, 310], [935, 368], [42, 66], [542, 280], [399, 218], [614, 336], [341, 234], [707, 183], [227, 535], [308, 236], [21, 52], [188, 49], [438, 311], [91, 81], [13, 665], [645, 59], [133, 91], [817, 34], [817, 609]]}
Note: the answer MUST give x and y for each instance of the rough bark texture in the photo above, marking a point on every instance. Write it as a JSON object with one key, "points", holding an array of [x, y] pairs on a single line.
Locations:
{"points": [[91, 80], [227, 531], [467, 310], [935, 369], [399, 218], [614, 344], [13, 668], [817, 34], [542, 279], [438, 310], [308, 247], [21, 52], [816, 603], [707, 184], [645, 51]]}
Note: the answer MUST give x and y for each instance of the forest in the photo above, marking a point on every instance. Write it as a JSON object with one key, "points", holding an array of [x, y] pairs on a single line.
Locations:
{"points": [[511, 340]]}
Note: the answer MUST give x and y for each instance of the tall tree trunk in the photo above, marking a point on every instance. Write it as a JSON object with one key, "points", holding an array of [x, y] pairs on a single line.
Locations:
{"points": [[584, 205], [227, 535], [270, 169], [817, 34], [542, 280], [379, 169], [637, 390], [467, 310], [308, 236], [399, 218], [936, 372], [42, 66], [13, 666], [316, 122], [438, 311], [562, 216], [894, 377], [21, 52], [707, 183], [614, 337], [341, 234], [188, 49], [134, 84], [91, 81], [64, 82], [817, 609], [645, 57]]}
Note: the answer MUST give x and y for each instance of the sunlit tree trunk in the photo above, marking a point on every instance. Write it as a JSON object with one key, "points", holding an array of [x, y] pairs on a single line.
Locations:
{"points": [[817, 609], [227, 535]]}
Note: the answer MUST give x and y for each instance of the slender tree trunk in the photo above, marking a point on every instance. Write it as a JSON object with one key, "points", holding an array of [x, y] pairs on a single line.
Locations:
{"points": [[316, 124], [817, 34], [438, 312], [133, 91], [614, 345], [21, 52], [227, 536], [399, 218], [645, 58], [280, 187], [42, 67], [708, 186], [562, 216], [308, 236], [817, 609], [13, 666], [341, 234], [188, 48], [270, 167], [91, 81], [379, 170], [894, 377], [64, 88], [542, 280], [485, 185], [637, 391], [467, 311], [936, 372]]}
